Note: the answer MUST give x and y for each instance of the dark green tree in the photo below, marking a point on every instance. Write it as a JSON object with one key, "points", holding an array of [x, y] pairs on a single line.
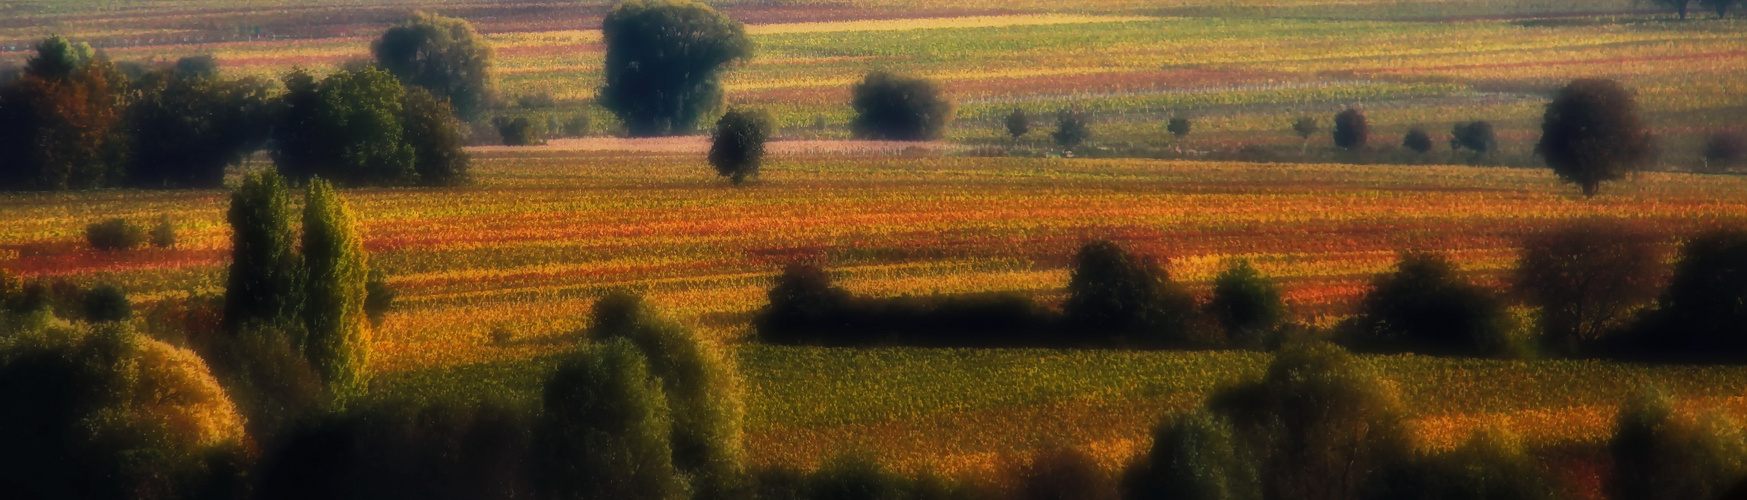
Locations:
{"points": [[442, 55], [1072, 128], [436, 139], [187, 128], [348, 129], [264, 287], [1305, 127], [202, 66], [520, 131], [336, 326], [1476, 135], [1018, 123], [115, 234], [1113, 291], [737, 149], [1426, 306], [58, 58], [1700, 315], [1351, 129], [1591, 133], [664, 63], [1178, 126], [604, 431], [1247, 306], [1417, 140], [1195, 456], [899, 108]]}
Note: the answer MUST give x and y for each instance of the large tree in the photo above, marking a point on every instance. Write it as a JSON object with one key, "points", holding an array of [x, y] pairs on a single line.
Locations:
{"points": [[264, 286], [1591, 133], [664, 63], [443, 55], [605, 429], [363, 128], [899, 108], [1587, 278], [187, 128], [60, 124]]}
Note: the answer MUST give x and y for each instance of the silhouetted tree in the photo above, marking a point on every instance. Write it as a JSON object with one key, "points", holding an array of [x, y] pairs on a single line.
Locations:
{"points": [[737, 149], [188, 126], [1178, 126], [106, 303], [436, 139], [1591, 134], [1700, 315], [1720, 6], [442, 55], [379, 297], [1072, 128], [1491, 465], [1417, 140], [1659, 454], [1305, 127], [802, 298], [1018, 124], [664, 63], [1115, 292], [1425, 306], [1351, 130], [1247, 306], [61, 123], [1586, 279], [1476, 135], [195, 67], [604, 431], [899, 108], [1195, 456], [163, 233], [1724, 150]]}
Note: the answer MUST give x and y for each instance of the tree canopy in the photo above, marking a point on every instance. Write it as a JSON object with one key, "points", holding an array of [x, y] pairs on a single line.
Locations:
{"points": [[444, 56], [664, 63], [899, 108], [1591, 133]]}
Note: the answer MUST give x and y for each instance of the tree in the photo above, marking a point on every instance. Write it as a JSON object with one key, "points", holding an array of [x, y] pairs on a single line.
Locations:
{"points": [[899, 108], [1720, 6], [1700, 315], [520, 131], [264, 285], [1586, 279], [1113, 291], [802, 296], [196, 67], [115, 234], [106, 303], [1195, 456], [1724, 150], [348, 129], [435, 136], [664, 63], [1417, 140], [1305, 127], [737, 149], [1425, 306], [1351, 130], [1591, 133], [444, 56], [1072, 128], [1677, 5], [58, 58], [337, 329], [1475, 135], [61, 123], [1247, 306], [187, 128], [1659, 454], [1018, 123], [1178, 126], [604, 431], [1060, 473]]}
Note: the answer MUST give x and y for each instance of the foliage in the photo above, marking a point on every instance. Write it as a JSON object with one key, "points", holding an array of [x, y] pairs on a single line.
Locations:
{"points": [[1178, 126], [1425, 306], [1591, 133], [436, 140], [196, 67], [1194, 456], [264, 285], [578, 125], [1072, 128], [805, 308], [61, 124], [442, 55], [379, 297], [163, 233], [336, 327], [1059, 473], [1660, 454], [1417, 140], [604, 431], [1305, 127], [1725, 149], [899, 108], [664, 63], [1321, 424], [1018, 123], [521, 131], [1476, 135], [1491, 465], [1113, 291], [1586, 278], [1700, 314], [1351, 129], [737, 149], [115, 234], [350, 128], [105, 303], [187, 128], [58, 58], [1247, 305]]}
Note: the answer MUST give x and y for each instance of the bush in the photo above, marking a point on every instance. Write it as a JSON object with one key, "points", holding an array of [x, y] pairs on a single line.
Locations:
{"points": [[164, 233], [1476, 135], [1659, 454], [1072, 128], [1247, 306], [1178, 126], [1130, 297], [898, 108], [115, 234], [1699, 315], [806, 309], [1062, 474], [106, 303], [1425, 306], [799, 302], [521, 131], [664, 63], [1321, 425], [1591, 133], [378, 297], [604, 431], [1725, 149], [1193, 457], [1417, 140], [737, 149], [1586, 279], [442, 55], [1491, 465], [1351, 130], [1018, 123]]}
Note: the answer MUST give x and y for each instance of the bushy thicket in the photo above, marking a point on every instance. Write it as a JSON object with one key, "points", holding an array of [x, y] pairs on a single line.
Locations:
{"points": [[899, 108], [1072, 128], [1060, 473], [1660, 454], [1699, 316], [1491, 465], [1426, 306], [520, 131], [363, 128], [1417, 140], [806, 308], [188, 125], [1476, 136]]}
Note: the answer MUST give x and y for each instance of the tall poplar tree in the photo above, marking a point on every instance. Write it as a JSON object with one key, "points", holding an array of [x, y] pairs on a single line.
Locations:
{"points": [[338, 329]]}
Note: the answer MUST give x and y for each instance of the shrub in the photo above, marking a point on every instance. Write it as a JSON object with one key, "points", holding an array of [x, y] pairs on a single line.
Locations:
{"points": [[1321, 424], [604, 431], [737, 150], [801, 299], [1659, 454], [1725, 149], [264, 285], [664, 63], [1351, 130], [1586, 279], [1114, 292], [1417, 140], [1491, 465], [1425, 306], [1699, 315], [164, 232], [1062, 474], [1247, 306], [1178, 126], [1018, 123], [1591, 133], [1072, 128], [188, 129], [1193, 457], [115, 234], [106, 303], [442, 55], [521, 131], [806, 309], [378, 297], [898, 108], [1476, 135], [337, 329]]}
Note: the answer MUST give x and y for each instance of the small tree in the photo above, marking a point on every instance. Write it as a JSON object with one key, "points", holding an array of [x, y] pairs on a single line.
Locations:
{"points": [[1724, 150], [1591, 134], [1425, 306], [264, 285], [1305, 127], [1247, 306], [1112, 291], [444, 56], [1178, 127], [899, 108], [521, 131], [1072, 128], [164, 232], [802, 296], [337, 328], [1476, 135], [1018, 124], [1351, 130], [737, 149], [604, 431], [1193, 457], [379, 297], [1587, 279], [664, 63], [1417, 140], [106, 303], [1659, 454], [115, 234]]}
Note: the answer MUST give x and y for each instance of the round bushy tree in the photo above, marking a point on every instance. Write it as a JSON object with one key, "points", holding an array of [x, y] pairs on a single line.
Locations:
{"points": [[604, 431], [336, 327], [1178, 126], [1061, 473], [1115, 292], [347, 129], [1018, 123], [664, 63], [737, 149], [899, 108], [115, 234], [802, 296], [1587, 279], [436, 140], [106, 303], [442, 55], [1247, 306], [1193, 457], [1351, 129], [1659, 454], [188, 128], [1591, 133], [1477, 136], [1417, 140], [1425, 306], [1072, 128]]}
